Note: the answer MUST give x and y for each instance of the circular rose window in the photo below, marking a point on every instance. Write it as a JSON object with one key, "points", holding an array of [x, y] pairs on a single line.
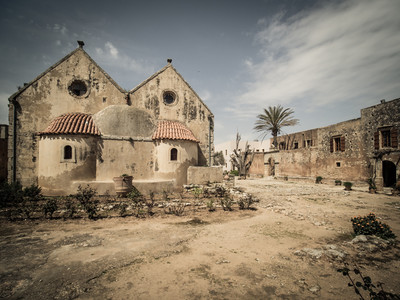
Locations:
{"points": [[78, 88], [169, 97]]}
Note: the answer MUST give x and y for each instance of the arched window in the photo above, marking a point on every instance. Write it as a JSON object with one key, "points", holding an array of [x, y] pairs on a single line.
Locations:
{"points": [[68, 152], [174, 154]]}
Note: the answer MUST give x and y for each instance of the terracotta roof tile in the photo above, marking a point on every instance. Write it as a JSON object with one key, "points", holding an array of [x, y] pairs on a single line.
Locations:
{"points": [[72, 123], [170, 130]]}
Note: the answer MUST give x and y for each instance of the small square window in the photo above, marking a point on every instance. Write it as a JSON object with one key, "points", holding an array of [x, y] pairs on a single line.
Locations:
{"points": [[338, 164]]}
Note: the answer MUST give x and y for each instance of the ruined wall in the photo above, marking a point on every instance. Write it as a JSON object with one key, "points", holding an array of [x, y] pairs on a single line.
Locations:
{"points": [[48, 97], [55, 173], [3, 152], [333, 152], [186, 107], [257, 167]]}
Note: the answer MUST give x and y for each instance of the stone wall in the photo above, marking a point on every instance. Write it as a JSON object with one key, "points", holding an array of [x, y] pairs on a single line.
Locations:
{"points": [[187, 107], [3, 152], [48, 97], [257, 167], [375, 121], [353, 150], [203, 175]]}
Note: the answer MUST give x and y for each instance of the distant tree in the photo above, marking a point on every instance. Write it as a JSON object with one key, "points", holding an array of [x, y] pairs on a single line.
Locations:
{"points": [[242, 160], [219, 159], [272, 121]]}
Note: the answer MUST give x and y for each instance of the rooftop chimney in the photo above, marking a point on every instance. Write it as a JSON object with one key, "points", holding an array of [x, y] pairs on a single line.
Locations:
{"points": [[169, 60], [81, 44]]}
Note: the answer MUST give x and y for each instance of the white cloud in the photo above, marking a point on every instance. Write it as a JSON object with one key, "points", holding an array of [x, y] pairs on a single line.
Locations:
{"points": [[339, 52], [60, 28], [4, 110], [110, 55], [112, 50], [205, 95]]}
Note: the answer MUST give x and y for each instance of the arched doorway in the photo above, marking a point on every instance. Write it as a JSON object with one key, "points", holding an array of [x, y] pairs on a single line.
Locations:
{"points": [[388, 173]]}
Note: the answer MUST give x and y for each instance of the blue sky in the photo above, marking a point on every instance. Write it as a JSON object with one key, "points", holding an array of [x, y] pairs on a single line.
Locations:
{"points": [[324, 59]]}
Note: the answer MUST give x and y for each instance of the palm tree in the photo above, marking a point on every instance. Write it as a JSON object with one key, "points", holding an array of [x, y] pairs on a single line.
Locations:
{"points": [[272, 121]]}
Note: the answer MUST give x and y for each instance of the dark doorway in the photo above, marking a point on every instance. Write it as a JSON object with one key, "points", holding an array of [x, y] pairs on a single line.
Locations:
{"points": [[388, 173]]}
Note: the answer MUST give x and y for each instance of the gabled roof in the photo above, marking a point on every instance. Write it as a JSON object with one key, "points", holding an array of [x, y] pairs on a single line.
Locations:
{"points": [[13, 96], [72, 123], [172, 130], [169, 65]]}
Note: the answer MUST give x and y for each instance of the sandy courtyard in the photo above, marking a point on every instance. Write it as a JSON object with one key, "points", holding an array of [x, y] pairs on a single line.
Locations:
{"points": [[288, 248]]}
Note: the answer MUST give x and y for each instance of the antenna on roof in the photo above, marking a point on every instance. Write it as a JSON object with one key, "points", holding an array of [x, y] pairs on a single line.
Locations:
{"points": [[81, 44]]}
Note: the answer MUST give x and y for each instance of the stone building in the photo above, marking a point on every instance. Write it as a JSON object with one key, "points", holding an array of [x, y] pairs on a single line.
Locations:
{"points": [[3, 152], [354, 150], [74, 124]]}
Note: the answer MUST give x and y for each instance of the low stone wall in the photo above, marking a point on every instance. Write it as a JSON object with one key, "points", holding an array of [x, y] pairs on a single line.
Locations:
{"points": [[144, 186], [202, 175]]}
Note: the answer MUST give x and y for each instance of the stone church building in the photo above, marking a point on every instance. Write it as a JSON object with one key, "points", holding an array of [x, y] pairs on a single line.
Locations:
{"points": [[74, 124]]}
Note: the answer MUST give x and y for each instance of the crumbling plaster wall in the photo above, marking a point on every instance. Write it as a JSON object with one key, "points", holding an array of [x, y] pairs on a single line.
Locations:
{"points": [[204, 175], [3, 152], [318, 160], [187, 108], [124, 156], [55, 174], [165, 168], [48, 97]]}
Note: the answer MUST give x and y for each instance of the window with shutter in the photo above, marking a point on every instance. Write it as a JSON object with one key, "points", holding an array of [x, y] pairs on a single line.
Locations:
{"points": [[342, 143], [331, 144], [376, 140], [394, 134]]}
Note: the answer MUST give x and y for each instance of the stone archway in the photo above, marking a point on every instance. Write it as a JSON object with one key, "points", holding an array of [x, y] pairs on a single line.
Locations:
{"points": [[388, 173]]}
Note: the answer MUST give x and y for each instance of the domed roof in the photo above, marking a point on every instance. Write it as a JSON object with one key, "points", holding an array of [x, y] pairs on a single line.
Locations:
{"points": [[72, 123], [171, 130]]}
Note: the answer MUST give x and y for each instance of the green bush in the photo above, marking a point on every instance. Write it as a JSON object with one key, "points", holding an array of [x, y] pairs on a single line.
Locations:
{"points": [[347, 185], [33, 193], [211, 205], [138, 202], [234, 173], [85, 198], [369, 225], [226, 203], [10, 193], [70, 208], [245, 201], [50, 207], [318, 179]]}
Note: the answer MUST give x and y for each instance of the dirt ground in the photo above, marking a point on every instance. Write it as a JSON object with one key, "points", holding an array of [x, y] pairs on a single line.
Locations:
{"points": [[288, 248]]}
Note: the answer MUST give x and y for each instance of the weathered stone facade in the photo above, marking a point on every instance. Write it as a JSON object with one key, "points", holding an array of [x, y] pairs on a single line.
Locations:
{"points": [[126, 121], [354, 150], [3, 151]]}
